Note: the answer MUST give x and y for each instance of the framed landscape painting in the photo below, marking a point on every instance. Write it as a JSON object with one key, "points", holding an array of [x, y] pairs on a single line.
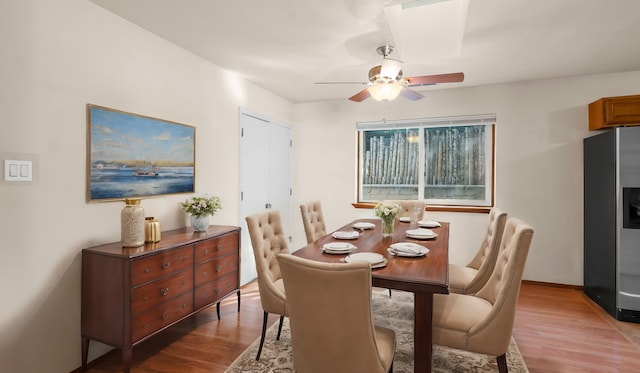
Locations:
{"points": [[134, 156]]}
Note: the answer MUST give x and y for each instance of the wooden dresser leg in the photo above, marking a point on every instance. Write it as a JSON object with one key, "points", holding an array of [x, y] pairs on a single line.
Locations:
{"points": [[238, 293], [218, 309], [127, 355], [85, 352]]}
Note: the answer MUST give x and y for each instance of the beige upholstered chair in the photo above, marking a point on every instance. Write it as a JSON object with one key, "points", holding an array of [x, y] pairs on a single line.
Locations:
{"points": [[332, 326], [483, 323], [407, 205], [472, 277], [268, 240], [313, 220]]}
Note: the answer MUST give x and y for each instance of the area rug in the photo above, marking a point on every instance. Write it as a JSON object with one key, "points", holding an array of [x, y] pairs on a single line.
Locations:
{"points": [[395, 312]]}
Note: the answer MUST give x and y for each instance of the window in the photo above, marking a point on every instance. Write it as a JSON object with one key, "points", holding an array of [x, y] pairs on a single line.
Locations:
{"points": [[444, 161]]}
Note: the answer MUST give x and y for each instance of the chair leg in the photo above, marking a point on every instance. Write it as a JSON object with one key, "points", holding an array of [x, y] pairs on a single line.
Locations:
{"points": [[502, 363], [280, 327], [389, 292], [264, 331]]}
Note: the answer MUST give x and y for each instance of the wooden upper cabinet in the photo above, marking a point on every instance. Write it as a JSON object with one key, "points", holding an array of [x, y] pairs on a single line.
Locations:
{"points": [[610, 112]]}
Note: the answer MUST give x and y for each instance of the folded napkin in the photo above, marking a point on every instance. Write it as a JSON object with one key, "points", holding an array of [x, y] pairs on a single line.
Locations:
{"points": [[429, 223], [420, 232], [406, 249], [351, 235], [363, 225]]}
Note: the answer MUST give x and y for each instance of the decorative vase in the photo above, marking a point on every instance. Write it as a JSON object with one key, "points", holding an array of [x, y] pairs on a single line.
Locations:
{"points": [[387, 226], [200, 223], [152, 231], [132, 223]]}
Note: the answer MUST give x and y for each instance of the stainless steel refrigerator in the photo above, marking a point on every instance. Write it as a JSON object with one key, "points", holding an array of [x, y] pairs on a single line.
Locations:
{"points": [[612, 221]]}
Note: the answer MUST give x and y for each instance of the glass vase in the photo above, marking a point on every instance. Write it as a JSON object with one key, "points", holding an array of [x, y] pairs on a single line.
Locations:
{"points": [[200, 223], [387, 226]]}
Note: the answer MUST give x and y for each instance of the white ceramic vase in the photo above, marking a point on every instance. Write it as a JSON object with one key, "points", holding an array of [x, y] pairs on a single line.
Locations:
{"points": [[200, 223]]}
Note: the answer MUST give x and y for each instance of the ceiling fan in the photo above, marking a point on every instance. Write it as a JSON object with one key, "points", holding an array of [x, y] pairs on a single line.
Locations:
{"points": [[386, 81]]}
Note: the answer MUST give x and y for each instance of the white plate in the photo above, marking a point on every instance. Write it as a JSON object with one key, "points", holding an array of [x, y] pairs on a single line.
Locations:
{"points": [[376, 260], [405, 219], [421, 234], [429, 224], [351, 235], [338, 248], [419, 237], [363, 225], [408, 249]]}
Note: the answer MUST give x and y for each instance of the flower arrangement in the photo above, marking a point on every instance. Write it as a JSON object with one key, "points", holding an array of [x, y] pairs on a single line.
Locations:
{"points": [[387, 211], [201, 206]]}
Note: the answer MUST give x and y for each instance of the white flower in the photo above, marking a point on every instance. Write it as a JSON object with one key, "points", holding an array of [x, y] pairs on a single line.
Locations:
{"points": [[201, 206]]}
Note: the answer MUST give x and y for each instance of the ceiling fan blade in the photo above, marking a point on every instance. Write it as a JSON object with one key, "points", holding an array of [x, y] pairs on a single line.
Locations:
{"points": [[362, 83], [390, 68], [435, 79], [360, 96], [410, 94]]}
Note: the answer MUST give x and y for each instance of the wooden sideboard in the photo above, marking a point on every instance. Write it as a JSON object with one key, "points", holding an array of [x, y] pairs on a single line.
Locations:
{"points": [[130, 294]]}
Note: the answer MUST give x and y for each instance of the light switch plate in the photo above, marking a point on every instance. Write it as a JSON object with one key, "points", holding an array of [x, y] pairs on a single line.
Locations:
{"points": [[15, 170]]}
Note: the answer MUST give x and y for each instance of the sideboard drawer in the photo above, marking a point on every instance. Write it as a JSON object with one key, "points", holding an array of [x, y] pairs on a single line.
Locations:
{"points": [[156, 292], [161, 264], [215, 290], [216, 268], [157, 318], [216, 247]]}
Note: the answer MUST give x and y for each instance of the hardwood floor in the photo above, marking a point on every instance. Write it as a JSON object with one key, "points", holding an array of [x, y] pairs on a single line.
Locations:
{"points": [[558, 329]]}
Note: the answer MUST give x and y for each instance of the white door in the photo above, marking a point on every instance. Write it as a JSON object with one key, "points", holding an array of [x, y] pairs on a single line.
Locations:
{"points": [[265, 178]]}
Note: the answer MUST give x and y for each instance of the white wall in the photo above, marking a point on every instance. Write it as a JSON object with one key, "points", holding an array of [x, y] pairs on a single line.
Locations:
{"points": [[57, 57], [61, 55], [540, 128]]}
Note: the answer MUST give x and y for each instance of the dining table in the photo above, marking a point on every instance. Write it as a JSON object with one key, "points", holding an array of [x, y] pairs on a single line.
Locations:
{"points": [[423, 275]]}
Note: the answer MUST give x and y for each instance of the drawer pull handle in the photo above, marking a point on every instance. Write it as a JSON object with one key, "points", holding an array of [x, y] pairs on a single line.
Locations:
{"points": [[184, 305], [218, 268], [218, 247], [164, 291], [145, 298], [144, 326], [147, 270], [166, 265], [165, 316], [204, 274], [217, 291], [206, 251]]}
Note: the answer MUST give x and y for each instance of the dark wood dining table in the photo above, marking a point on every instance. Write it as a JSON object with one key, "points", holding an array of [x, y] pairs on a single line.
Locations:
{"points": [[423, 276]]}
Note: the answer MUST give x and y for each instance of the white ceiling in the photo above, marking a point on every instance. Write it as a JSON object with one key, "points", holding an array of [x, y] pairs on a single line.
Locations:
{"points": [[285, 46]]}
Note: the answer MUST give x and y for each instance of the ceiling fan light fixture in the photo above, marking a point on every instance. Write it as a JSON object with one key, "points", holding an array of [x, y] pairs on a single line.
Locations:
{"points": [[385, 91]]}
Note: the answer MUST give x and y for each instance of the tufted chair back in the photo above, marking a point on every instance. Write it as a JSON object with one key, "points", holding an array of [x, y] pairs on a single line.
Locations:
{"points": [[470, 279], [407, 205], [268, 240], [332, 327], [483, 323], [313, 220]]}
